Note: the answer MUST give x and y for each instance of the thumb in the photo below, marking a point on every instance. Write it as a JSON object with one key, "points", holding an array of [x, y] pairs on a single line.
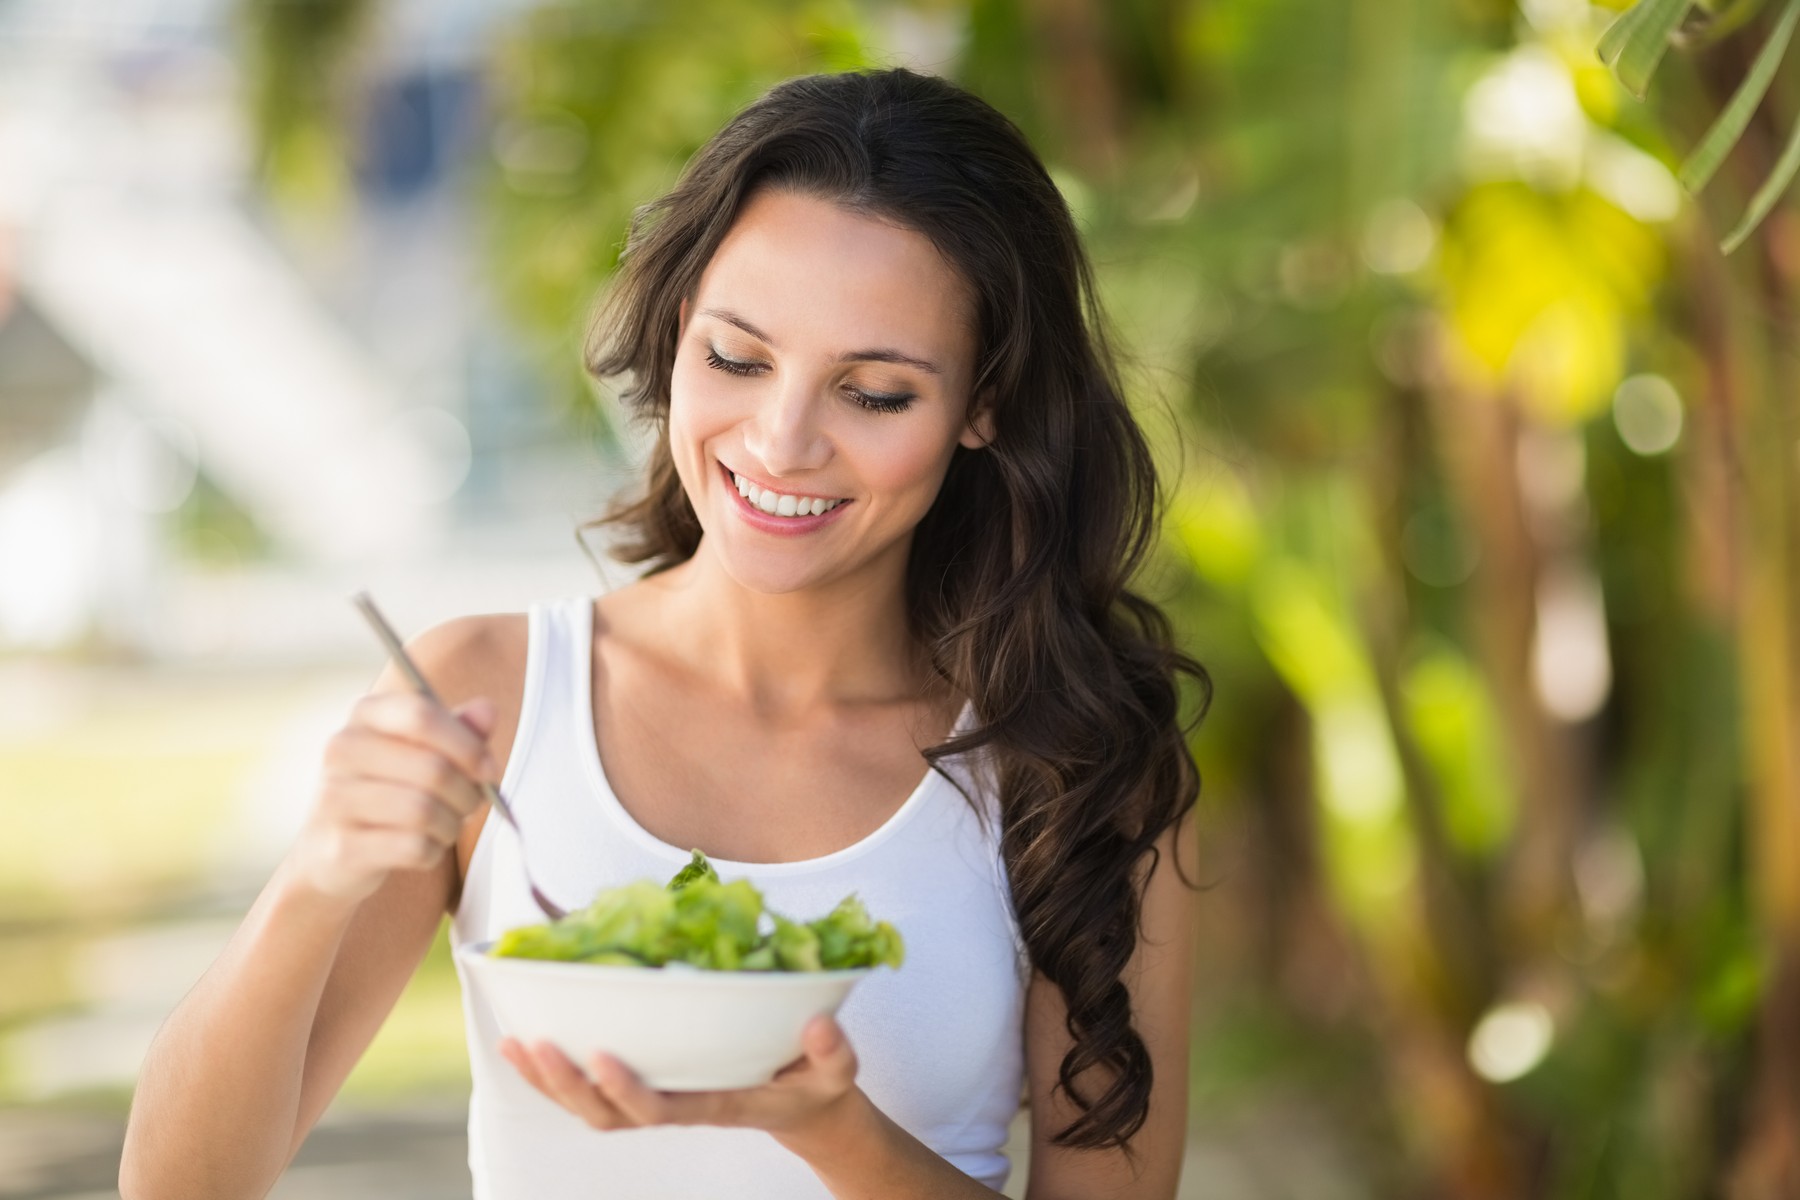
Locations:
{"points": [[824, 1038]]}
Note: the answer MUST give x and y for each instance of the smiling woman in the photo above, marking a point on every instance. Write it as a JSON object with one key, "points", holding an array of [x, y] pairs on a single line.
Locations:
{"points": [[884, 643]]}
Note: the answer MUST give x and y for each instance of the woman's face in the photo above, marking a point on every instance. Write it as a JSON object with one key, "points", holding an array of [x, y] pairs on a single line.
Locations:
{"points": [[791, 375]]}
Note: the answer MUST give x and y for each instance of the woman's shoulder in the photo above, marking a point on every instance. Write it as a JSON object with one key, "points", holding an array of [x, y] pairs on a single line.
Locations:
{"points": [[484, 654], [478, 654]]}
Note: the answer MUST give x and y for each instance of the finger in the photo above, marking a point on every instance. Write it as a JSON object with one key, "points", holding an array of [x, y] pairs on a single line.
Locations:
{"points": [[625, 1091], [708, 1108], [393, 849], [823, 1039], [566, 1085], [730, 1107], [527, 1066], [411, 717], [387, 805], [360, 753], [515, 1054], [825, 1049], [521, 1057]]}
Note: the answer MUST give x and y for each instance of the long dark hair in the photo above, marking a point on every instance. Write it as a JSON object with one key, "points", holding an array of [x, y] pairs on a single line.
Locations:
{"points": [[1017, 582]]}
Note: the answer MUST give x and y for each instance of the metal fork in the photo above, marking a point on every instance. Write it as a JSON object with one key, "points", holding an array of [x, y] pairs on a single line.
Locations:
{"points": [[405, 663]]}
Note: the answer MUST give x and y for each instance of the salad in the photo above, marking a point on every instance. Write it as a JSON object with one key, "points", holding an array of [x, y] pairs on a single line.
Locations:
{"points": [[697, 920]]}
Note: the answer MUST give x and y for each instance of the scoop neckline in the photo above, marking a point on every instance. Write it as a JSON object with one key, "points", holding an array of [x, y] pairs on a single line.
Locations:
{"points": [[609, 799]]}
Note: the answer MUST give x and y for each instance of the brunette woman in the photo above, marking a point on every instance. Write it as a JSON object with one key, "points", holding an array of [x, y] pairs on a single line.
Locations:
{"points": [[883, 642]]}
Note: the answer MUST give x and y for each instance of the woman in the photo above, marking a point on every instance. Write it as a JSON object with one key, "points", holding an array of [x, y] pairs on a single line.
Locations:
{"points": [[893, 503]]}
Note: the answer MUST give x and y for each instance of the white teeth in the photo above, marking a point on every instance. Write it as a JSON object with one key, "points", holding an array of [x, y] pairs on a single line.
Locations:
{"points": [[781, 504]]}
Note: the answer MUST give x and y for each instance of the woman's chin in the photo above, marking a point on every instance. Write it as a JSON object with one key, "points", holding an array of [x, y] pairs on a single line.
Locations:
{"points": [[770, 572]]}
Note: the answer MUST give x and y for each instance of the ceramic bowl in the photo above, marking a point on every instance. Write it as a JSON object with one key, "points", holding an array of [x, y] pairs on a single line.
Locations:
{"points": [[680, 1028]]}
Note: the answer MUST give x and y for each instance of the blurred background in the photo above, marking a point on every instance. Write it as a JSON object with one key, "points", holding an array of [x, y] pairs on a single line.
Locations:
{"points": [[1480, 459]]}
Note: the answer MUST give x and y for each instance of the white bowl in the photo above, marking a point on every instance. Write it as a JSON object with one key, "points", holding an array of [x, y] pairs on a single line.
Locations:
{"points": [[680, 1028]]}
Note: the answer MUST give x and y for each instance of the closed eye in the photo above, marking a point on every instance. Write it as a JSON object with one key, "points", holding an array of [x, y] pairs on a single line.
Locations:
{"points": [[874, 401], [730, 365]]}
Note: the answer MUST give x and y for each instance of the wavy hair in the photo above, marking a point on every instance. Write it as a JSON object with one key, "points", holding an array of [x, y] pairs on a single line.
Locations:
{"points": [[1017, 585]]}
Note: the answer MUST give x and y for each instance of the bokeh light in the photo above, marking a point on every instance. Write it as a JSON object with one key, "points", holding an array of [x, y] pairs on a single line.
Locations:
{"points": [[1646, 410]]}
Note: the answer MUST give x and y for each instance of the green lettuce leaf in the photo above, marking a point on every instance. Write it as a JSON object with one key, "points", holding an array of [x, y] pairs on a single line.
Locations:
{"points": [[848, 938], [699, 920], [697, 868], [796, 946]]}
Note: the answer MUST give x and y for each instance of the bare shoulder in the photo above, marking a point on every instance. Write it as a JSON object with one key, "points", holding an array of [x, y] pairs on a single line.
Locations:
{"points": [[466, 656]]}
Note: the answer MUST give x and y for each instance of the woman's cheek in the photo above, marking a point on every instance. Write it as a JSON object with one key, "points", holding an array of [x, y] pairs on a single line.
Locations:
{"points": [[696, 404], [909, 469], [712, 399]]}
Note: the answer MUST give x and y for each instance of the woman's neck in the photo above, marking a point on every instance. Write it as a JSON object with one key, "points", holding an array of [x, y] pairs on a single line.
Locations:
{"points": [[795, 653]]}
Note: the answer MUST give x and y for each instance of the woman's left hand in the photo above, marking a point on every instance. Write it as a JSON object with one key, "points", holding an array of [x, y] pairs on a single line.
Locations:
{"points": [[801, 1094]]}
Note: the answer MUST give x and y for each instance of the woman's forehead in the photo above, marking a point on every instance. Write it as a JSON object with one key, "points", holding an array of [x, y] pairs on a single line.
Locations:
{"points": [[808, 272]]}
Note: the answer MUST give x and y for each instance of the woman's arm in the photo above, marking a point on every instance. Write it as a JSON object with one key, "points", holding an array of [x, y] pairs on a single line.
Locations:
{"points": [[861, 1154], [247, 1062], [1160, 978], [218, 1108]]}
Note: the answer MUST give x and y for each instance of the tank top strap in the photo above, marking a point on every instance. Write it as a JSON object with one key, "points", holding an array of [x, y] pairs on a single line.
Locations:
{"points": [[545, 778], [545, 703], [575, 627]]}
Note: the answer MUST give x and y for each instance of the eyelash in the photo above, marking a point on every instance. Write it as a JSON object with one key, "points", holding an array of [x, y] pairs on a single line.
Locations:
{"points": [[874, 403]]}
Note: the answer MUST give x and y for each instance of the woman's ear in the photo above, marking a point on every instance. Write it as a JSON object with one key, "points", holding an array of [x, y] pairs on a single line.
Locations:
{"points": [[978, 430]]}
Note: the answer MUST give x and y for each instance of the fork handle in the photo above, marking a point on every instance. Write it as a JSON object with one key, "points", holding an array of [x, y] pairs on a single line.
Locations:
{"points": [[391, 640], [417, 678]]}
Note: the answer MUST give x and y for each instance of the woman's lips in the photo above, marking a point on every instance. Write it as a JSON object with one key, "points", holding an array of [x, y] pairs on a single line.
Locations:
{"points": [[769, 522]]}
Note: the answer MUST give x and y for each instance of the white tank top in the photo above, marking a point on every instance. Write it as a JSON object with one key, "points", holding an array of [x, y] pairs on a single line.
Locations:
{"points": [[939, 1042]]}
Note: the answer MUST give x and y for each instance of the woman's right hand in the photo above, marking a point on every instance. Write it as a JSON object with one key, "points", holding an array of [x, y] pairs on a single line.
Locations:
{"points": [[398, 781]]}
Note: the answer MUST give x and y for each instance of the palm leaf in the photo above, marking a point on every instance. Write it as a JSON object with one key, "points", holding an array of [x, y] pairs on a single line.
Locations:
{"points": [[1722, 24], [1730, 126], [1612, 41], [1634, 44], [1767, 194]]}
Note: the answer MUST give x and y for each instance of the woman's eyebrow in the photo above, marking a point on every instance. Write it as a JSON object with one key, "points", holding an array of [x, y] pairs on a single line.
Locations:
{"points": [[879, 354]]}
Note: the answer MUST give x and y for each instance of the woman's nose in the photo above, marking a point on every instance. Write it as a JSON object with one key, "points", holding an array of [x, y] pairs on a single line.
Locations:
{"points": [[785, 434]]}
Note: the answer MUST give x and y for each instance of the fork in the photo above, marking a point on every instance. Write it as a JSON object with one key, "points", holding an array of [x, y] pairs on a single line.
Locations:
{"points": [[404, 661]]}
